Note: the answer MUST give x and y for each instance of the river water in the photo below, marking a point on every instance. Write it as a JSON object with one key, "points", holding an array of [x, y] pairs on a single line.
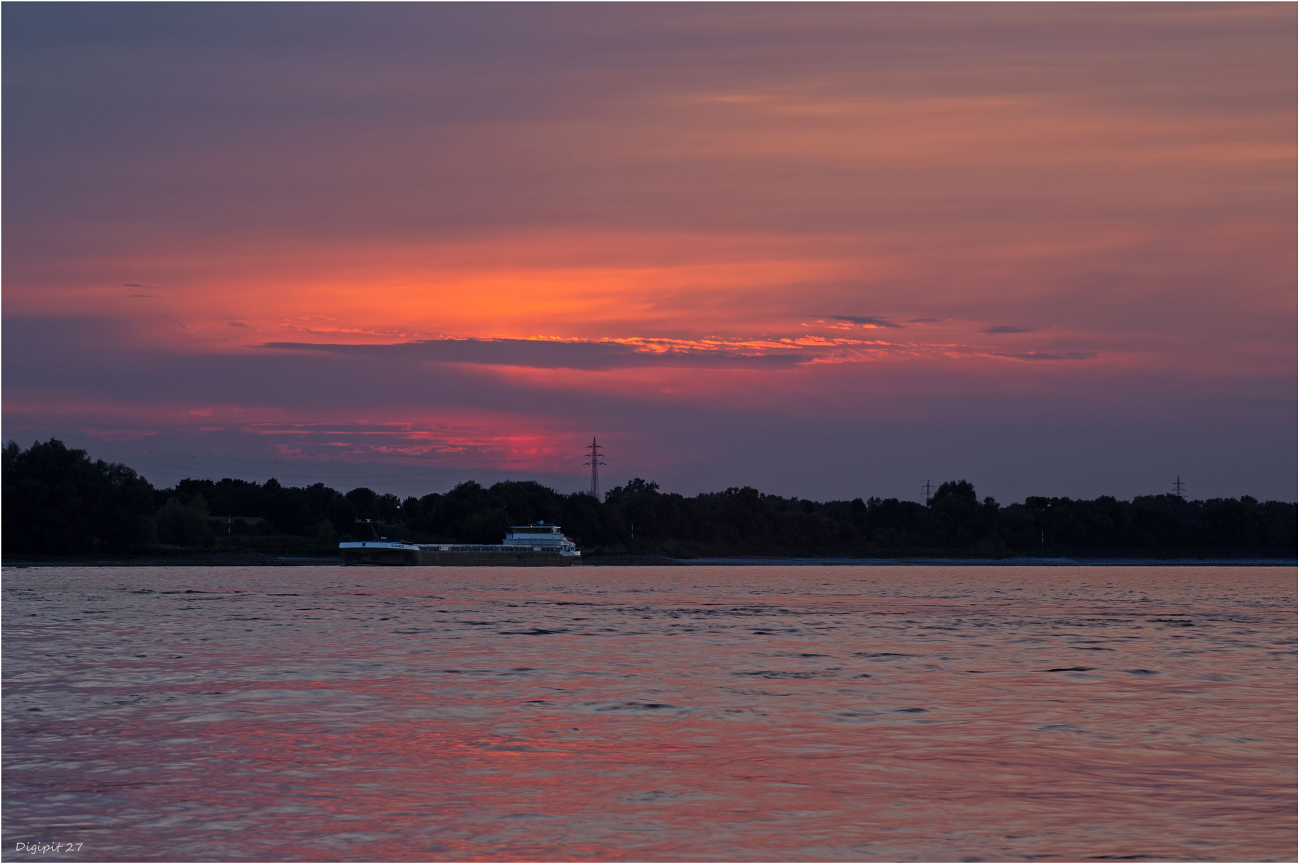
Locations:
{"points": [[667, 714]]}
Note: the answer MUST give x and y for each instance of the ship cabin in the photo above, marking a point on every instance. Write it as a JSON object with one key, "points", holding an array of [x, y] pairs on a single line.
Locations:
{"points": [[547, 537]]}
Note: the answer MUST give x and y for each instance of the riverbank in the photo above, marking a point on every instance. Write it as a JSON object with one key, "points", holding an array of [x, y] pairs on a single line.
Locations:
{"points": [[661, 561], [201, 558]]}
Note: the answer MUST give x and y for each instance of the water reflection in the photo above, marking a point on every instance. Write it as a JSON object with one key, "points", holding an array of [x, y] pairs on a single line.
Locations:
{"points": [[666, 714]]}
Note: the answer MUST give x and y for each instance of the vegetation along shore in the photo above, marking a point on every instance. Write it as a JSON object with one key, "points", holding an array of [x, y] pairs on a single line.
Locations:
{"points": [[59, 503]]}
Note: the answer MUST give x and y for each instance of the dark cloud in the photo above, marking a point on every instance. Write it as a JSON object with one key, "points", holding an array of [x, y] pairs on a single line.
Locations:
{"points": [[873, 320], [238, 324], [1066, 355], [204, 141], [111, 360], [1007, 328], [1059, 443], [547, 354]]}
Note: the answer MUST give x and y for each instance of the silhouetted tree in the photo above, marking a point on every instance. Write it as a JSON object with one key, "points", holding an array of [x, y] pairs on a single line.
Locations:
{"points": [[487, 526], [363, 501], [184, 523], [59, 501]]}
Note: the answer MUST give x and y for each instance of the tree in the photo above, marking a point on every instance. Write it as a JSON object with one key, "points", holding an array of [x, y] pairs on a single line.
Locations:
{"points": [[957, 488], [184, 523], [389, 508], [487, 526], [59, 501], [363, 501]]}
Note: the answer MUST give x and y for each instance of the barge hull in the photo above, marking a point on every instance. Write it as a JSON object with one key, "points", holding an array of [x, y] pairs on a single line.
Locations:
{"points": [[379, 556]]}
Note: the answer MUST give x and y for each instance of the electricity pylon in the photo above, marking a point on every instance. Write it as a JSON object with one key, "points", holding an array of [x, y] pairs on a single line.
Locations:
{"points": [[595, 463]]}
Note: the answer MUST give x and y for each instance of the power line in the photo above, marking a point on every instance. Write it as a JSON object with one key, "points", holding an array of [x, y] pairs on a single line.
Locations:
{"points": [[268, 467], [1178, 486], [927, 490], [277, 475], [269, 471], [556, 463]]}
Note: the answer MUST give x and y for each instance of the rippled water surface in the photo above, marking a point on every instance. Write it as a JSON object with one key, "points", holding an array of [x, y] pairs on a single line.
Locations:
{"points": [[716, 713]]}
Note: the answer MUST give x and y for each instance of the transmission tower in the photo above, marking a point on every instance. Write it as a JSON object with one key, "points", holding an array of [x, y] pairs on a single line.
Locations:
{"points": [[595, 463], [1178, 486], [927, 490]]}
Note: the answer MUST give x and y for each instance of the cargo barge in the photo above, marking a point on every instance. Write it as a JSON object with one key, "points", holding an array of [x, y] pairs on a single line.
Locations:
{"points": [[539, 545]]}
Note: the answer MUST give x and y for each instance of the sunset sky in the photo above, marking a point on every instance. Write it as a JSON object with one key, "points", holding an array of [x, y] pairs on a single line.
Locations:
{"points": [[823, 250]]}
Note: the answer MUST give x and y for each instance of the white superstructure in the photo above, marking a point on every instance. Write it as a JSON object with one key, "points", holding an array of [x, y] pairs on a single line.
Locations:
{"points": [[541, 537]]}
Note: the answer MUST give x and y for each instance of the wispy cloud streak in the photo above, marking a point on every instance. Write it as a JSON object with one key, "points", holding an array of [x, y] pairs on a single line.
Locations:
{"points": [[542, 222]]}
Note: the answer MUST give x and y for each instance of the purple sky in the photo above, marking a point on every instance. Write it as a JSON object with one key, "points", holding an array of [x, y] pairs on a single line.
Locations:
{"points": [[823, 250]]}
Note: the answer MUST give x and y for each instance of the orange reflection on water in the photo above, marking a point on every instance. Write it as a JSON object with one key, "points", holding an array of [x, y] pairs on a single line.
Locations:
{"points": [[777, 713]]}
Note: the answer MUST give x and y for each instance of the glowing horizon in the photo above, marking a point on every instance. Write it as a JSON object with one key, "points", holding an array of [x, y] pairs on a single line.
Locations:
{"points": [[825, 251]]}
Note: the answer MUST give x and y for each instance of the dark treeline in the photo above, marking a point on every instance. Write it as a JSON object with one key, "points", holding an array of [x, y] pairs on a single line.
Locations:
{"points": [[58, 501]]}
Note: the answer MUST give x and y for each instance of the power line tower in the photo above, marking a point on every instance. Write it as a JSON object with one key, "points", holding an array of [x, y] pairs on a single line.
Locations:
{"points": [[927, 490], [1178, 486], [595, 463]]}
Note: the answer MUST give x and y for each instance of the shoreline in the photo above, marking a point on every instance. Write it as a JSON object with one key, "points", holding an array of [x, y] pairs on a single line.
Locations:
{"points": [[929, 561], [261, 560], [1005, 562]]}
